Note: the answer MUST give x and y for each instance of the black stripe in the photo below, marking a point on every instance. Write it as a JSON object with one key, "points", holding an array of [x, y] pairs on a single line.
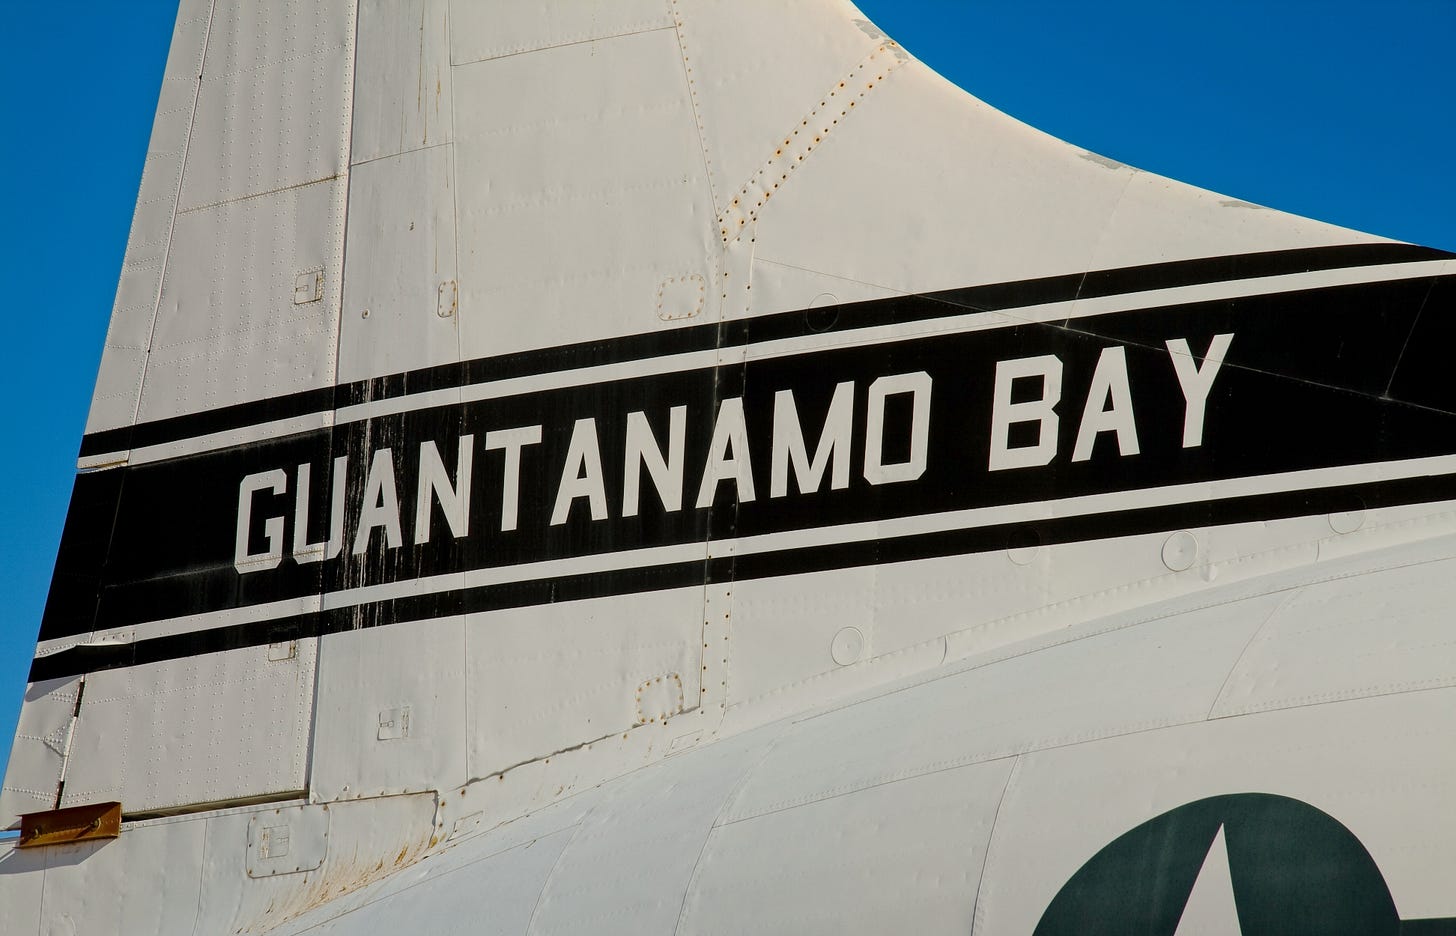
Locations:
{"points": [[987, 298], [1375, 494], [1294, 394]]}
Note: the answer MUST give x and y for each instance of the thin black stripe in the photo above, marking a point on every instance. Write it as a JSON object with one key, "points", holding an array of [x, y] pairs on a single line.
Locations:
{"points": [[84, 659], [987, 298]]}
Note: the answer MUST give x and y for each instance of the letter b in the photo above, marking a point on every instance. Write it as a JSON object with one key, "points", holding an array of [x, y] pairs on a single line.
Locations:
{"points": [[1004, 413]]}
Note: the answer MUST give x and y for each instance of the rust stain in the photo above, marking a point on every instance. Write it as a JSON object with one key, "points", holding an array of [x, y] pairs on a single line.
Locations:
{"points": [[331, 882]]}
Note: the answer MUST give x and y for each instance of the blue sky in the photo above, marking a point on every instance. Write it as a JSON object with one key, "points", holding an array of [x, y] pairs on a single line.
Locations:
{"points": [[1337, 110]]}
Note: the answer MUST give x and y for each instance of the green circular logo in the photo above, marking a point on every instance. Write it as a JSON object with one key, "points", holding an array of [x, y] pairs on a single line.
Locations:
{"points": [[1291, 869]]}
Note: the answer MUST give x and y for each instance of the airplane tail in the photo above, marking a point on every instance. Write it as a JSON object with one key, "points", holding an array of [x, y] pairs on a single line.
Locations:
{"points": [[506, 396]]}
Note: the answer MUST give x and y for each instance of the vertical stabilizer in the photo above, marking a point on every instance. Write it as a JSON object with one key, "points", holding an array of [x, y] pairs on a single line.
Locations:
{"points": [[529, 390]]}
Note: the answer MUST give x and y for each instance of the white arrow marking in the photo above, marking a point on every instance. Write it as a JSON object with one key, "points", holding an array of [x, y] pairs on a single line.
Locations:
{"points": [[1211, 910]]}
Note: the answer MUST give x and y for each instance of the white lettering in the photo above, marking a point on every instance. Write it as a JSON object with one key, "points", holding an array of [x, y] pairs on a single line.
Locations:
{"points": [[380, 507], [1109, 384], [834, 442], [244, 561], [305, 552], [643, 452], [1043, 411], [582, 474], [1196, 381], [511, 441], [875, 470], [435, 483], [729, 431]]}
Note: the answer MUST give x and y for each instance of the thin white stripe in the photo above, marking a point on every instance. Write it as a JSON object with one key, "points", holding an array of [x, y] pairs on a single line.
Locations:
{"points": [[228, 438], [186, 624], [585, 565]]}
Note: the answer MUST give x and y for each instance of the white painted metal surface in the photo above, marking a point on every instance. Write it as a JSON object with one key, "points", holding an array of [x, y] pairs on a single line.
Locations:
{"points": [[474, 332], [242, 732], [42, 740], [882, 812], [589, 192], [123, 360]]}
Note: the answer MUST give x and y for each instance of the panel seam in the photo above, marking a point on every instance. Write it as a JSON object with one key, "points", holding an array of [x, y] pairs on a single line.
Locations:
{"points": [[715, 824], [991, 842], [176, 210], [1279, 606]]}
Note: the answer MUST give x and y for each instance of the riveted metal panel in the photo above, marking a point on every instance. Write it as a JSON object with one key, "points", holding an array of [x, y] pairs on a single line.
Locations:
{"points": [[287, 840], [363, 745], [227, 726], [1133, 676], [508, 881], [508, 866], [914, 614], [123, 359], [1162, 219], [402, 85], [777, 286], [596, 193], [367, 842], [401, 252], [491, 30], [542, 679], [1049, 203], [145, 882], [755, 107], [1386, 631], [1056, 207], [633, 858], [228, 329], [38, 756], [272, 110], [984, 787], [783, 628], [901, 857], [261, 202]]}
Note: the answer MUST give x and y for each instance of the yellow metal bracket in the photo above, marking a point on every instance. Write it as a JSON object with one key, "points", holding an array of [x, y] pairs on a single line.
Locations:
{"points": [[72, 824]]}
